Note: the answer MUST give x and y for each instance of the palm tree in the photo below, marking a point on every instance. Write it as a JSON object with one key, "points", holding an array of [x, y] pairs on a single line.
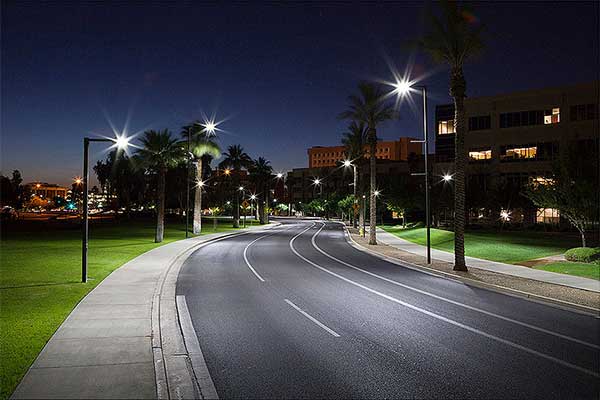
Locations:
{"points": [[159, 152], [203, 147], [261, 171], [237, 159], [355, 140], [452, 39], [370, 108]]}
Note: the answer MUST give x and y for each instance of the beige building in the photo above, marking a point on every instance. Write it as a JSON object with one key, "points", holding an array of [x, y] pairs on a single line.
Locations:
{"points": [[332, 156], [46, 190], [516, 136]]}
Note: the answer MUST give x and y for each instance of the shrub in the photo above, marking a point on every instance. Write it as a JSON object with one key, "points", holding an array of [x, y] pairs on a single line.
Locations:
{"points": [[583, 254]]}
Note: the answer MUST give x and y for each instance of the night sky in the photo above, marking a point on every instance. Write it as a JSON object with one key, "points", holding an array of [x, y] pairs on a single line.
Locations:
{"points": [[280, 73]]}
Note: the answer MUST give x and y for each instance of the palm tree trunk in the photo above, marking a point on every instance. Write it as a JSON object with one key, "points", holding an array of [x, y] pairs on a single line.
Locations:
{"points": [[372, 205], [355, 173], [197, 228], [160, 207], [457, 90]]}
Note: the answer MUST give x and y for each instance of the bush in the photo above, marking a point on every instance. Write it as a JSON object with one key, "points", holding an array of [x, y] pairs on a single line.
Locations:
{"points": [[583, 254]]}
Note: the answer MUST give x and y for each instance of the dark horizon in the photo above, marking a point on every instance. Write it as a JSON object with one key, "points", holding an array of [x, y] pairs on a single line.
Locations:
{"points": [[280, 73]]}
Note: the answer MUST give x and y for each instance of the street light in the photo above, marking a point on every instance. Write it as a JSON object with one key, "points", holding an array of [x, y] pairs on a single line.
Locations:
{"points": [[121, 142], [279, 175], [447, 177], [403, 88], [241, 189], [364, 207], [348, 163]]}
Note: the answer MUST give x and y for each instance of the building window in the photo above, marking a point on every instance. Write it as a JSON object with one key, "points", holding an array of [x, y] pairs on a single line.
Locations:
{"points": [[480, 155], [547, 216], [446, 127], [480, 123], [583, 112], [519, 153], [552, 116]]}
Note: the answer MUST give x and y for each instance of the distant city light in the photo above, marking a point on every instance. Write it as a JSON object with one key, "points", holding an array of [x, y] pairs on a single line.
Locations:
{"points": [[200, 183], [279, 175], [505, 215], [241, 188], [447, 177], [227, 171], [253, 197], [228, 202], [347, 163], [376, 193], [317, 181], [77, 181]]}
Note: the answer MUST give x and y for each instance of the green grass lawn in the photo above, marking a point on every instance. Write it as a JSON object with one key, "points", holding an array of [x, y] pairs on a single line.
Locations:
{"points": [[502, 246], [586, 270], [40, 274]]}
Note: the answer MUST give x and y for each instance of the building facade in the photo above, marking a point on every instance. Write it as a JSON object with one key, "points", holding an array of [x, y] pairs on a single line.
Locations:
{"points": [[46, 190], [514, 138], [332, 156]]}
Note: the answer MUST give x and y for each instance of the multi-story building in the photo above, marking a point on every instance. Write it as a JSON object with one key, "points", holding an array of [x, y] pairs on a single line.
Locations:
{"points": [[514, 138], [45, 190], [332, 156]]}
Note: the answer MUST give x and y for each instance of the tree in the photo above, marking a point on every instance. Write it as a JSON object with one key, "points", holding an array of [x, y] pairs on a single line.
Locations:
{"points": [[355, 140], [572, 188], [237, 159], [370, 108], [202, 146], [452, 39], [159, 152], [261, 172]]}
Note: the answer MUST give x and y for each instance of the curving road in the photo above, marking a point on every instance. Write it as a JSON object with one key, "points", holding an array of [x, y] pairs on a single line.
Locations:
{"points": [[296, 311]]}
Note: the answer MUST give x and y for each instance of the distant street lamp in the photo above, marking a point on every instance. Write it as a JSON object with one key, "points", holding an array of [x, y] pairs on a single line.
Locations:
{"points": [[121, 143], [364, 216], [318, 183], [348, 163], [252, 200], [241, 189], [210, 127], [404, 87], [447, 177]]}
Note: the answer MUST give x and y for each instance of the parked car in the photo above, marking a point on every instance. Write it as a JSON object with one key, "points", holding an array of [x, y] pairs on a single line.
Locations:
{"points": [[8, 214]]}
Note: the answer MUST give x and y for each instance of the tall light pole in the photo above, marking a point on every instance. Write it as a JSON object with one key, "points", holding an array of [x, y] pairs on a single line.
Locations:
{"points": [[348, 163], [187, 186], [403, 88], [241, 189], [364, 207], [121, 142]]}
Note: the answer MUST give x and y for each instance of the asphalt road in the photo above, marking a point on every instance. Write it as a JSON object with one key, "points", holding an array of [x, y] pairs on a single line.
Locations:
{"points": [[296, 312]]}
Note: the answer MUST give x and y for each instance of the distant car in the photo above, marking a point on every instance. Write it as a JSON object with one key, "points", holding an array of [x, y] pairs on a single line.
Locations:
{"points": [[8, 213]]}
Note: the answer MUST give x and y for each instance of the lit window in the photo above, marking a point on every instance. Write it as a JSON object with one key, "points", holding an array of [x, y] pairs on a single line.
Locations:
{"points": [[446, 127], [548, 216], [521, 152], [552, 116], [540, 180], [480, 155]]}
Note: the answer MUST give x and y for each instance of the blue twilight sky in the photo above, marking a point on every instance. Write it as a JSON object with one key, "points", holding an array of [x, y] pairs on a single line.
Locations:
{"points": [[280, 72]]}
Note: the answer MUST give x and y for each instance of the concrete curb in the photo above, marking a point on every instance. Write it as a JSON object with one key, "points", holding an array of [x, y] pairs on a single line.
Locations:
{"points": [[116, 342], [564, 305]]}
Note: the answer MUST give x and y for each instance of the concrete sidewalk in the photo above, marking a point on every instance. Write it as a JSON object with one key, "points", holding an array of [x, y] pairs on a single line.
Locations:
{"points": [[493, 266], [115, 343]]}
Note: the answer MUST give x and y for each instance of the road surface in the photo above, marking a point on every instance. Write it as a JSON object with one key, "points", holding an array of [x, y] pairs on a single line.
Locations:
{"points": [[296, 312]]}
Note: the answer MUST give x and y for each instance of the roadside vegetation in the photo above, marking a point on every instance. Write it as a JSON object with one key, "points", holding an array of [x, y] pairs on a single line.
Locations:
{"points": [[511, 247], [40, 280]]}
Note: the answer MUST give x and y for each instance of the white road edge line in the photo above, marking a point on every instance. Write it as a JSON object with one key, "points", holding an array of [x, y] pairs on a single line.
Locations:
{"points": [[489, 313], [207, 386], [316, 321], [439, 317], [250, 244]]}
